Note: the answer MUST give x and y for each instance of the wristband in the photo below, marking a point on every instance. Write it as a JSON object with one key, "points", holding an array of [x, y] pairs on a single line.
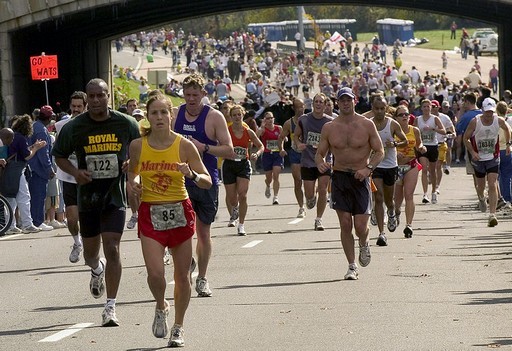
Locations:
{"points": [[195, 177]]}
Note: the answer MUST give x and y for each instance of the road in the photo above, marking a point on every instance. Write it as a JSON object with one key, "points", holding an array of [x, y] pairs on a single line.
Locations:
{"points": [[281, 287]]}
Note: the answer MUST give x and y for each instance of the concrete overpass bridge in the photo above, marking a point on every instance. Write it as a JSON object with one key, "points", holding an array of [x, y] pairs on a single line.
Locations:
{"points": [[79, 33]]}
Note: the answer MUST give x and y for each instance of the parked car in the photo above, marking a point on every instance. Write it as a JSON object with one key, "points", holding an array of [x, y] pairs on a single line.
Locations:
{"points": [[487, 38]]}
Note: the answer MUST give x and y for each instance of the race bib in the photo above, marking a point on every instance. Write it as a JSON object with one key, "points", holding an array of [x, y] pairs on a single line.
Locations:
{"points": [[313, 139], [241, 153], [486, 146], [428, 137], [102, 166], [272, 145], [168, 216]]}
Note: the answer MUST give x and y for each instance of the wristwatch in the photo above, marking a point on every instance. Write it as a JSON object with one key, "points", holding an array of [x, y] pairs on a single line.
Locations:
{"points": [[369, 166], [206, 148], [195, 177]]}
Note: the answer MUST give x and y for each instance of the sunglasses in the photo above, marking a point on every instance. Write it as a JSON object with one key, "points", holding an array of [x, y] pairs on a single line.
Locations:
{"points": [[402, 114]]}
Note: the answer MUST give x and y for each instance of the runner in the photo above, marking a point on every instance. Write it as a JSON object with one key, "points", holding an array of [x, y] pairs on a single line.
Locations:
{"points": [[294, 155], [430, 126], [77, 105], [99, 138], [166, 218], [307, 138], [357, 150], [408, 168], [207, 129], [481, 140], [271, 160], [385, 174], [236, 172]]}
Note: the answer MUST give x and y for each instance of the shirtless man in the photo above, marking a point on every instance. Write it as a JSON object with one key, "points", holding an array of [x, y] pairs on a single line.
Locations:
{"points": [[351, 138], [293, 154], [207, 129]]}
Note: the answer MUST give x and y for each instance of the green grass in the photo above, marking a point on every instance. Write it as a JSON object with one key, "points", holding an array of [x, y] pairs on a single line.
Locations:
{"points": [[130, 90], [438, 39]]}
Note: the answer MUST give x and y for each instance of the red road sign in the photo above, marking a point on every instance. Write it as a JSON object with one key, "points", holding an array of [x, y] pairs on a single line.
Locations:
{"points": [[44, 67]]}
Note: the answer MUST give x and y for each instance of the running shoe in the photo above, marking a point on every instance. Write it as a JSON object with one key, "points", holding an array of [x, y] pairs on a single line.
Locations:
{"points": [[382, 240], [132, 222], [318, 225], [275, 201], [241, 230], [364, 255], [167, 256], [302, 213], [310, 203], [44, 227], [202, 287], [97, 283], [434, 198], [74, 256], [373, 218], [493, 221], [352, 274], [392, 223], [447, 170], [13, 230], [30, 229], [56, 224], [408, 231], [501, 203], [176, 339], [425, 199], [267, 192], [482, 205], [457, 161], [235, 213], [232, 223], [109, 318], [160, 326]]}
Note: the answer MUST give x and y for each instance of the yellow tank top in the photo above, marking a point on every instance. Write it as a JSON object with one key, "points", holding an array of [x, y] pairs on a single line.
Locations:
{"points": [[408, 150], [161, 179]]}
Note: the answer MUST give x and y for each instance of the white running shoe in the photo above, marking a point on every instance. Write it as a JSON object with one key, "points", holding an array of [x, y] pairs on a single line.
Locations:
{"points": [[97, 283], [352, 274], [132, 222], [108, 317], [56, 224], [45, 228], [275, 201], [176, 339], [74, 256], [241, 230], [202, 287], [30, 229], [302, 213], [13, 230], [364, 255], [160, 326]]}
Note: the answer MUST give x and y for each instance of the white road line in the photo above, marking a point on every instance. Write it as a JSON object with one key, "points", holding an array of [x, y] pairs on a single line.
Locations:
{"points": [[194, 275], [296, 220], [10, 236], [67, 332], [252, 244]]}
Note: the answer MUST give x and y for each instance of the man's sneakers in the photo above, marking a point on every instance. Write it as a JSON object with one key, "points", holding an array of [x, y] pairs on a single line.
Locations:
{"points": [[241, 230], [235, 213], [132, 222], [392, 222], [108, 317], [267, 192], [352, 273], [275, 200], [56, 224], [30, 229], [13, 230], [425, 199], [364, 255], [160, 326], [318, 224], [382, 240], [408, 231], [310, 203], [97, 283], [45, 227], [493, 221], [446, 170], [302, 213], [176, 339], [482, 205], [74, 256], [202, 287], [434, 198], [501, 203]]}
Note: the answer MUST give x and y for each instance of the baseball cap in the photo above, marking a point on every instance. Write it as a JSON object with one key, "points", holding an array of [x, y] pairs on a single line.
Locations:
{"points": [[137, 112], [489, 105], [345, 91], [446, 103], [435, 103], [46, 111]]}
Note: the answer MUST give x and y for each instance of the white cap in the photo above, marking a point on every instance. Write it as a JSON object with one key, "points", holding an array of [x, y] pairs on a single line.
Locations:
{"points": [[489, 105]]}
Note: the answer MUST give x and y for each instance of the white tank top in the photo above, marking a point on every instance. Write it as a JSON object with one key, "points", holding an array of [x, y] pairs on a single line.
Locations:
{"points": [[485, 139], [428, 135], [389, 160]]}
